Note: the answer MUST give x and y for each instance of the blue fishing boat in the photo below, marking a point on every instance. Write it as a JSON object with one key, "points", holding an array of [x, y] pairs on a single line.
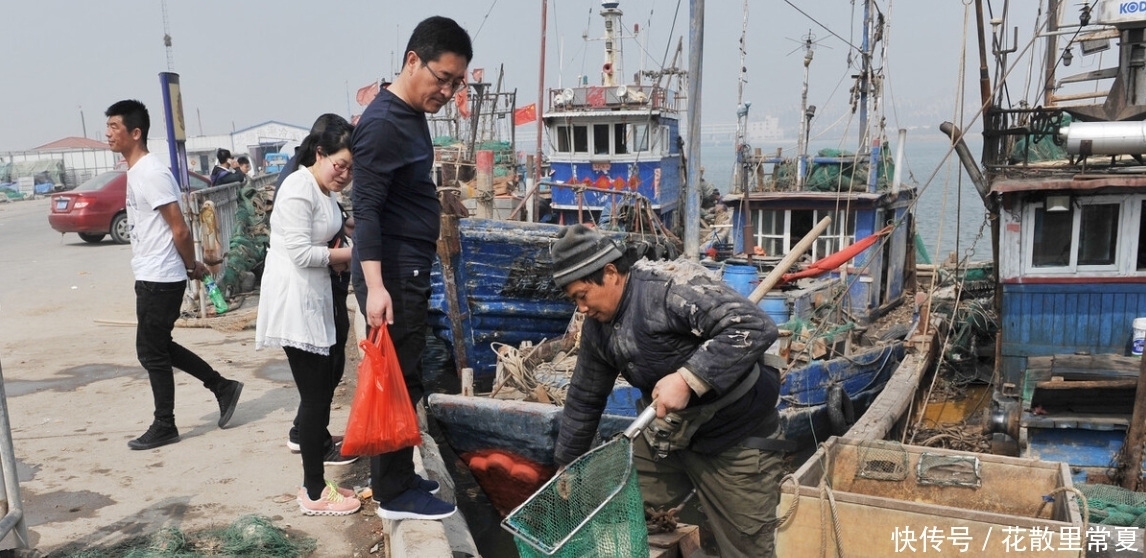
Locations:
{"points": [[1065, 182], [611, 139]]}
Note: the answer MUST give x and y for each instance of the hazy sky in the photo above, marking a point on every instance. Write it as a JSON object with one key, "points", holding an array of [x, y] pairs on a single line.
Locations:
{"points": [[243, 62]]}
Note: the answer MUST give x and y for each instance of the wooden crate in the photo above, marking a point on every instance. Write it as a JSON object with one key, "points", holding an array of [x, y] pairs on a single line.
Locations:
{"points": [[879, 518]]}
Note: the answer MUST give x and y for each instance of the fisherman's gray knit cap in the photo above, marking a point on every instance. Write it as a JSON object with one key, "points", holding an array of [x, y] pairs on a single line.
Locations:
{"points": [[578, 252]]}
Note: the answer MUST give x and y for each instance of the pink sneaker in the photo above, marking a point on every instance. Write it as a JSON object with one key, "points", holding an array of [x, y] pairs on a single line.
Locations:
{"points": [[334, 501]]}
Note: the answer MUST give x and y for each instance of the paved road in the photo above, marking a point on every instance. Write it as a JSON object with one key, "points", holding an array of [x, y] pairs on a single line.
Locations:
{"points": [[76, 394]]}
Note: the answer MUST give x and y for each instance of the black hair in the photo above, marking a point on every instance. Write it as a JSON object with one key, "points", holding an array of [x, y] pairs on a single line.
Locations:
{"points": [[334, 138], [325, 120], [437, 35], [243, 160], [623, 263], [134, 115], [222, 155]]}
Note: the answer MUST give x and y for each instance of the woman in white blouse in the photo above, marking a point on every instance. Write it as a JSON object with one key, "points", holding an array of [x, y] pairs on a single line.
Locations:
{"points": [[296, 302]]}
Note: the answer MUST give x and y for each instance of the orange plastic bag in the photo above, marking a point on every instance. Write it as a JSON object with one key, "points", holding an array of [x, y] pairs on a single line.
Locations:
{"points": [[382, 419]]}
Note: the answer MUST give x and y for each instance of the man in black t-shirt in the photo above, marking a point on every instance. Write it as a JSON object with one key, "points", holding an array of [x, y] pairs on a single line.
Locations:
{"points": [[396, 213]]}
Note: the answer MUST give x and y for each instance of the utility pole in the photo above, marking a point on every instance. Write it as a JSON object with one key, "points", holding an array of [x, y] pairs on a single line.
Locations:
{"points": [[167, 40]]}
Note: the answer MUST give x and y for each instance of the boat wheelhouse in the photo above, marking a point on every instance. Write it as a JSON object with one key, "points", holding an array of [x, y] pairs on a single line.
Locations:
{"points": [[613, 141]]}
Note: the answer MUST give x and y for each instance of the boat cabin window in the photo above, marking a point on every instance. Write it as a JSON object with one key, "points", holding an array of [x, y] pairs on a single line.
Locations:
{"points": [[580, 139], [1142, 237], [640, 137], [1084, 234], [620, 146], [563, 139], [777, 231], [600, 139]]}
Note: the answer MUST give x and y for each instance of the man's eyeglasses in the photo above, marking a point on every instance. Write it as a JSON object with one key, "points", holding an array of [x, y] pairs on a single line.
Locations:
{"points": [[339, 166], [452, 85]]}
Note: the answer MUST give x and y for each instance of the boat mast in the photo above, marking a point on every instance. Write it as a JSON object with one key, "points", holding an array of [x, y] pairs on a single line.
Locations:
{"points": [[742, 109], [691, 197], [865, 66], [541, 103], [868, 140], [613, 52], [805, 118]]}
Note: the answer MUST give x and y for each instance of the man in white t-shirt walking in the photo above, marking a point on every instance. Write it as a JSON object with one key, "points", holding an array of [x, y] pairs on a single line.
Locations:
{"points": [[162, 258]]}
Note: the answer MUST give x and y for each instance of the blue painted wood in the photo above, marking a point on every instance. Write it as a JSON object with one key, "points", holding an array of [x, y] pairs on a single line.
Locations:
{"points": [[1045, 319], [658, 180], [505, 289], [506, 294], [1077, 446], [803, 415]]}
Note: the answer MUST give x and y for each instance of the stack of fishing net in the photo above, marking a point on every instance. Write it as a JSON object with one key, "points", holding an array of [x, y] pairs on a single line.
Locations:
{"points": [[1114, 505], [249, 536], [250, 238]]}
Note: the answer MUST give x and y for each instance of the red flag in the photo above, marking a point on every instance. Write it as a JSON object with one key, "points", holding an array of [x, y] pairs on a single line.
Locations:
{"points": [[525, 115], [478, 73], [463, 100], [367, 94], [596, 97]]}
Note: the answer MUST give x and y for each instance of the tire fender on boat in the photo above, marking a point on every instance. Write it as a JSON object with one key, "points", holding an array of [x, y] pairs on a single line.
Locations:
{"points": [[841, 412]]}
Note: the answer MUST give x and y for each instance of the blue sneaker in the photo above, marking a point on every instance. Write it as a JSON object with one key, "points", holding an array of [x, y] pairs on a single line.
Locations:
{"points": [[415, 504], [429, 485]]}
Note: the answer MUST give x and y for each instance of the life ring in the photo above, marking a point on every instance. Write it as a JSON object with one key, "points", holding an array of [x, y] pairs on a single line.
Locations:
{"points": [[841, 412]]}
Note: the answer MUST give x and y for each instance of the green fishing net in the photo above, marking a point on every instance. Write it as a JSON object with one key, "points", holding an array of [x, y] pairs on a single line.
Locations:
{"points": [[249, 536]]}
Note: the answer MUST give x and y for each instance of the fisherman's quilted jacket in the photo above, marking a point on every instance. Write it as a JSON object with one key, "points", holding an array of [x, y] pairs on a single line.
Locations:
{"points": [[673, 315]]}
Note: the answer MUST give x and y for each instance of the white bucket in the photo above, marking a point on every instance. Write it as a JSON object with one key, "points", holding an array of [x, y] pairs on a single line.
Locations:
{"points": [[1139, 339]]}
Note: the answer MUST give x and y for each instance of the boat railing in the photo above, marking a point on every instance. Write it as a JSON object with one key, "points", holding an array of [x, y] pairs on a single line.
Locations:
{"points": [[1023, 136], [759, 172], [631, 97]]}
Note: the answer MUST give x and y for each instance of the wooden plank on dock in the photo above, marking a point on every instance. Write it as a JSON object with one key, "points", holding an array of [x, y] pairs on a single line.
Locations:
{"points": [[681, 543], [897, 396]]}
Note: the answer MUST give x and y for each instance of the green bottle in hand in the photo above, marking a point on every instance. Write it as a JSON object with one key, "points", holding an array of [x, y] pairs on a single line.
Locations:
{"points": [[215, 294]]}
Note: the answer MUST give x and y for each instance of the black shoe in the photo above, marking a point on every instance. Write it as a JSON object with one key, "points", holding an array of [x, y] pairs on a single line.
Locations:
{"points": [[334, 456], [228, 397], [157, 435]]}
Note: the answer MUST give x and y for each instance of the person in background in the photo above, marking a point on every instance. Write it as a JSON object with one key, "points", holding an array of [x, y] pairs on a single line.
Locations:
{"points": [[222, 169], [162, 259], [296, 301], [244, 165], [397, 215], [696, 349]]}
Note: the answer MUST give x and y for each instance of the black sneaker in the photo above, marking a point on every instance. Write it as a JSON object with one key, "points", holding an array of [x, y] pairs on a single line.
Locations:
{"points": [[157, 435], [334, 456], [228, 397], [415, 504]]}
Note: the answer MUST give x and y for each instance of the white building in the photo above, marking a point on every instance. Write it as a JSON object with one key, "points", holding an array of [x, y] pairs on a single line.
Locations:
{"points": [[83, 158]]}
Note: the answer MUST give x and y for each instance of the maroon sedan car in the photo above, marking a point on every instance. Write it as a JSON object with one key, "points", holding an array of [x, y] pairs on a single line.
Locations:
{"points": [[98, 207]]}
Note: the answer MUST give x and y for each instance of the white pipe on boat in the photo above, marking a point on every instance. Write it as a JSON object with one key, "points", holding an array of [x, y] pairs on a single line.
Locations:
{"points": [[898, 177], [1104, 138]]}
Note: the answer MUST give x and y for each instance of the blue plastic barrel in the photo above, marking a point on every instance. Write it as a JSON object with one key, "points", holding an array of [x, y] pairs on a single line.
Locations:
{"points": [[776, 307], [742, 278]]}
